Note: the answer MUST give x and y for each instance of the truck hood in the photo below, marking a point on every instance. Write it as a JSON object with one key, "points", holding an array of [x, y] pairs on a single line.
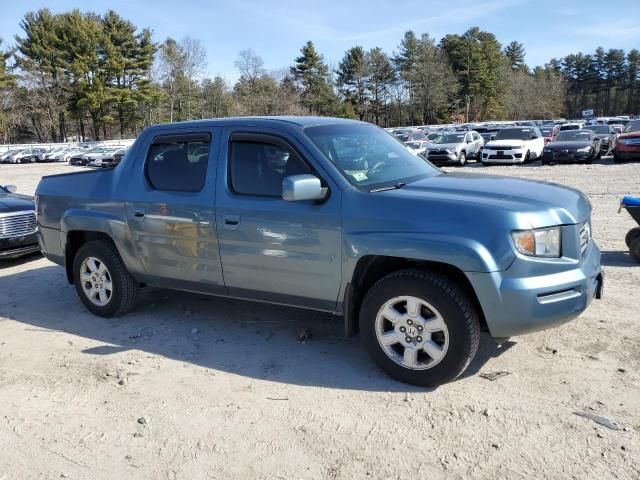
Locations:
{"points": [[527, 203], [629, 135], [505, 143], [10, 202]]}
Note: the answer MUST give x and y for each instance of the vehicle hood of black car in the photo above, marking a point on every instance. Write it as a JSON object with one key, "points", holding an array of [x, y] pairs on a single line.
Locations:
{"points": [[11, 202], [568, 144], [532, 204]]}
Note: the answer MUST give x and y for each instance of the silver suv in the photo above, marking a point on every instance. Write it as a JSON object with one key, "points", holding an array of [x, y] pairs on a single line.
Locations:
{"points": [[455, 147]]}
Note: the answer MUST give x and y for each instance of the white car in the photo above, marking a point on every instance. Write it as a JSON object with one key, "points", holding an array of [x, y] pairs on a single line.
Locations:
{"points": [[416, 147], [514, 145], [95, 159], [454, 148]]}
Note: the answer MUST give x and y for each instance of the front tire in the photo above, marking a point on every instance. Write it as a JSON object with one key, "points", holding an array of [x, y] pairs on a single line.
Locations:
{"points": [[462, 159], [419, 327], [634, 249], [631, 236], [102, 280]]}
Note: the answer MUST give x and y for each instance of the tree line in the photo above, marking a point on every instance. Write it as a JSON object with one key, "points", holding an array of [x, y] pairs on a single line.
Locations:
{"points": [[82, 75]]}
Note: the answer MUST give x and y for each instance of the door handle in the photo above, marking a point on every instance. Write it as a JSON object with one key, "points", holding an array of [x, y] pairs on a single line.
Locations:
{"points": [[231, 220], [138, 213]]}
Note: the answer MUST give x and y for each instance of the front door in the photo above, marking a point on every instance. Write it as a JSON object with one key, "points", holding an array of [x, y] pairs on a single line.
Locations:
{"points": [[170, 210], [272, 249]]}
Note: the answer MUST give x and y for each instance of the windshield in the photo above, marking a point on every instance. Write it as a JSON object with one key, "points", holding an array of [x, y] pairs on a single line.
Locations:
{"points": [[367, 156], [514, 134], [574, 136], [433, 135], [600, 129], [450, 138], [569, 127], [633, 127]]}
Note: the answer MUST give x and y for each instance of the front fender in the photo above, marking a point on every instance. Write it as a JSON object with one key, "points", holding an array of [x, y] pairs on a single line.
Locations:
{"points": [[466, 254]]}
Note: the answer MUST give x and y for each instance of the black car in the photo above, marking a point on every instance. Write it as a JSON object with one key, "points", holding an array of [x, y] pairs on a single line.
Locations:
{"points": [[607, 136], [17, 224], [488, 133], [572, 146]]}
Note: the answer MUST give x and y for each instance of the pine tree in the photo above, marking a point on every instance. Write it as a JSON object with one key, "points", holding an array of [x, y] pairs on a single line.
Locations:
{"points": [[381, 77], [352, 74], [312, 74], [515, 54]]}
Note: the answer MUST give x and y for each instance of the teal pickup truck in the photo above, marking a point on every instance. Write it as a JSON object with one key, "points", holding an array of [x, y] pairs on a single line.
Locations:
{"points": [[326, 214]]}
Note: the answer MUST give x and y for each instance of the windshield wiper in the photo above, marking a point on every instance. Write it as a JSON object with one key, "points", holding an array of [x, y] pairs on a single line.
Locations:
{"points": [[395, 186]]}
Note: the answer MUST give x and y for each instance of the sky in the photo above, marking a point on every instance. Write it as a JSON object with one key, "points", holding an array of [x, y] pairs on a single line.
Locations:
{"points": [[277, 29]]}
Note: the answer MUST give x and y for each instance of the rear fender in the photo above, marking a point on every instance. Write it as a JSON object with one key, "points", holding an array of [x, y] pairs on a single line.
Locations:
{"points": [[116, 228]]}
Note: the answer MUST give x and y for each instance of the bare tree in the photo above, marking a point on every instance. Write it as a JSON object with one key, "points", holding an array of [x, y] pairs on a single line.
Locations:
{"points": [[195, 63], [250, 65], [171, 68]]}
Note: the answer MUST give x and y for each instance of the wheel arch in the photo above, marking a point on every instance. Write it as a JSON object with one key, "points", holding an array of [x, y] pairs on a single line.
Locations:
{"points": [[75, 239], [371, 268], [80, 226]]}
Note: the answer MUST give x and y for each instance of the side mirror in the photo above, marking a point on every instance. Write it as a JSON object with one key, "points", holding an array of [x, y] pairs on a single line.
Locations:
{"points": [[298, 188], [11, 188]]}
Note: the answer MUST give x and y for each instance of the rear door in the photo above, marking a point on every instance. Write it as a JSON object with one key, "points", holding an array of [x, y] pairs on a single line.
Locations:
{"points": [[170, 209], [272, 249]]}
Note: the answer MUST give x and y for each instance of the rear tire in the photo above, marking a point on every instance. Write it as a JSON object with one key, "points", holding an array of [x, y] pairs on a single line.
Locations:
{"points": [[432, 312], [631, 236], [91, 262], [634, 249]]}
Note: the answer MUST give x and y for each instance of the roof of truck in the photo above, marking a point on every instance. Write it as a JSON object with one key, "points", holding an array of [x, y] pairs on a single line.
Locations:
{"points": [[306, 121]]}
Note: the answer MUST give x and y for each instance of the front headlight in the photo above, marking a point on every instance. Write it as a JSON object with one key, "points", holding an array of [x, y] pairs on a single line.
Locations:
{"points": [[540, 242], [584, 150]]}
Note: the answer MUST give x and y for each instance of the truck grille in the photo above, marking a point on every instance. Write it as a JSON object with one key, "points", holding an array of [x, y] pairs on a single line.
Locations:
{"points": [[17, 224], [585, 236]]}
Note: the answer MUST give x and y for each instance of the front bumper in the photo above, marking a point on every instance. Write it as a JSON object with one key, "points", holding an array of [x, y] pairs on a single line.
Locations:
{"points": [[442, 158], [503, 156], [514, 304], [627, 152], [17, 246], [566, 156]]}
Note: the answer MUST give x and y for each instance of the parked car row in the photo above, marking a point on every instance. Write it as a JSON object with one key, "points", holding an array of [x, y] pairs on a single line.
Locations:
{"points": [[100, 156], [521, 142]]}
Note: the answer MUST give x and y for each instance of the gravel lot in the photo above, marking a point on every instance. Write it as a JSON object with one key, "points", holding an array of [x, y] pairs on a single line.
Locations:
{"points": [[192, 387]]}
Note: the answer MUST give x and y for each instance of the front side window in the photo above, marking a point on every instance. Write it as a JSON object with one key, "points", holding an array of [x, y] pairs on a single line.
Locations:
{"points": [[367, 157], [178, 162], [258, 168]]}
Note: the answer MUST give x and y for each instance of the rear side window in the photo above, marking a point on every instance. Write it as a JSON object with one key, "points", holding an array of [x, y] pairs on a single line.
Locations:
{"points": [[258, 168], [178, 162]]}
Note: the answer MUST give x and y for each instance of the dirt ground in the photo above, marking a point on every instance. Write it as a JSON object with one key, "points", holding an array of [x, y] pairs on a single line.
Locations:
{"points": [[192, 387]]}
